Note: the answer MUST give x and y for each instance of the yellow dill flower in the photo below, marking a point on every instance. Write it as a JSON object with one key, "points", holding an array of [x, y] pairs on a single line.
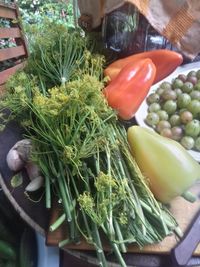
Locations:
{"points": [[53, 112], [86, 202], [69, 153], [39, 100], [123, 218], [19, 89], [23, 99], [53, 91], [104, 182]]}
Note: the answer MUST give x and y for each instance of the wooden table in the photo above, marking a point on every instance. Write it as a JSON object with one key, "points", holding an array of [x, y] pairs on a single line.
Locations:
{"points": [[37, 216]]}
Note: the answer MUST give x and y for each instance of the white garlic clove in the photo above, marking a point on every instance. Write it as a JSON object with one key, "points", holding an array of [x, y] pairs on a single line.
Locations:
{"points": [[23, 147], [33, 170], [14, 161], [35, 184]]}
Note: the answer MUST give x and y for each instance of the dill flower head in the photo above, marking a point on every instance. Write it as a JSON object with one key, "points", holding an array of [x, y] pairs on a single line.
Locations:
{"points": [[86, 202], [69, 153], [87, 90], [123, 218], [52, 103], [104, 182]]}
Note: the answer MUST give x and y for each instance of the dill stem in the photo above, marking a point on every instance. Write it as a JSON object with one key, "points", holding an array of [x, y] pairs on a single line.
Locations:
{"points": [[82, 212], [65, 201], [111, 227], [57, 223], [136, 197], [64, 242], [47, 192], [118, 254], [120, 237], [67, 205], [99, 248]]}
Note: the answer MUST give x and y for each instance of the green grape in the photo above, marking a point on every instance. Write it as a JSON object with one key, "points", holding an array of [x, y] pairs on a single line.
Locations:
{"points": [[195, 95], [162, 125], [175, 120], [169, 94], [178, 83], [194, 107], [162, 115], [182, 77], [166, 132], [186, 116], [191, 73], [152, 118], [198, 74], [177, 133], [166, 85], [154, 107], [170, 106], [187, 142], [159, 91], [153, 98], [192, 128], [187, 87], [183, 100], [192, 79], [197, 86], [197, 141], [178, 91]]}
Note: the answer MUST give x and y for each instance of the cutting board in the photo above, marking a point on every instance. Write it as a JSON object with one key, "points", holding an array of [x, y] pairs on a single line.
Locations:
{"points": [[183, 211]]}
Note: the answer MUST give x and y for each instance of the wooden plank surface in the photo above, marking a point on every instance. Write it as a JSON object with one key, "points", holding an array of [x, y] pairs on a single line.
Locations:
{"points": [[12, 52], [10, 33], [7, 12], [183, 211], [4, 75]]}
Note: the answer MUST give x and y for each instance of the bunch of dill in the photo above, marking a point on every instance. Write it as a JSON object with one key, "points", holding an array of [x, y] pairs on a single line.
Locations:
{"points": [[82, 150]]}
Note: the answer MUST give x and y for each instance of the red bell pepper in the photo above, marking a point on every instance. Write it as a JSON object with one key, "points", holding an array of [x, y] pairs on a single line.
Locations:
{"points": [[166, 61], [127, 91]]}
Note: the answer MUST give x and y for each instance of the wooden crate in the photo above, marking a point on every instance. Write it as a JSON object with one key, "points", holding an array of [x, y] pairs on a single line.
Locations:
{"points": [[11, 58]]}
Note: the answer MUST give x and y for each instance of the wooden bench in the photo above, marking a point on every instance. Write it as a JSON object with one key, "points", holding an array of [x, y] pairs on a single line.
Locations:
{"points": [[11, 58]]}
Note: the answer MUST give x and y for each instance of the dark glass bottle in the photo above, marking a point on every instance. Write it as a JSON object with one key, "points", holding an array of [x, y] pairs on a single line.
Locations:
{"points": [[126, 32]]}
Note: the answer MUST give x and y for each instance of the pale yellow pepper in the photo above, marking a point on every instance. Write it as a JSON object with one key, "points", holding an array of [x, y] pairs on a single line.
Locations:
{"points": [[169, 168]]}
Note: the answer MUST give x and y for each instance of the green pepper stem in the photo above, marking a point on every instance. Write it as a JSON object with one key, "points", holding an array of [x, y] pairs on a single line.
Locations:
{"points": [[189, 196]]}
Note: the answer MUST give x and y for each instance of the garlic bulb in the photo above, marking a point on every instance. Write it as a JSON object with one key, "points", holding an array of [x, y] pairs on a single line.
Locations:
{"points": [[14, 161], [19, 154], [23, 147]]}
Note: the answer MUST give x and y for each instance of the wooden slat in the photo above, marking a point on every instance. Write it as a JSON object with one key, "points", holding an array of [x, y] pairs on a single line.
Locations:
{"points": [[12, 52], [4, 75], [7, 12], [10, 33], [10, 5]]}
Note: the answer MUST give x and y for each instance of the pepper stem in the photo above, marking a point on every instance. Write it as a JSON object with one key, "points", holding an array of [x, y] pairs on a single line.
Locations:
{"points": [[189, 196]]}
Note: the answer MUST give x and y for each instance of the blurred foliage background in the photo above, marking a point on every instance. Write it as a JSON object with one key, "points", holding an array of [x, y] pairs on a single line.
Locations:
{"points": [[36, 13]]}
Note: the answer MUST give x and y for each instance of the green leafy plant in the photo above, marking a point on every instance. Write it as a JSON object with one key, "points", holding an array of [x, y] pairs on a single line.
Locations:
{"points": [[81, 148]]}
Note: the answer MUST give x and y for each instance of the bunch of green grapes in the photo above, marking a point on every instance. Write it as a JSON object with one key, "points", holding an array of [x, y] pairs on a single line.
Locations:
{"points": [[174, 109]]}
